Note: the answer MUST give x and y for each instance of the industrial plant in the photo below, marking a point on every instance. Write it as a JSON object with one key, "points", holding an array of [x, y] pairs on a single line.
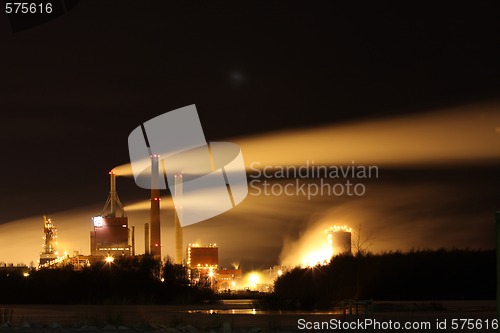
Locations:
{"points": [[112, 237]]}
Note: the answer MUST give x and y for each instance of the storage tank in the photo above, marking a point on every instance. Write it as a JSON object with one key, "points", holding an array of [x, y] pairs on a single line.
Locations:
{"points": [[339, 238]]}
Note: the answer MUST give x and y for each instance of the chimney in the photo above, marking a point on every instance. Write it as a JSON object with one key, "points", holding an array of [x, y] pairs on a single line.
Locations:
{"points": [[177, 215], [146, 238], [155, 246]]}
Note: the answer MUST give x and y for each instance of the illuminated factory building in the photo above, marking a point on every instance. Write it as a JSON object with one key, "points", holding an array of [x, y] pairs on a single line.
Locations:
{"points": [[111, 235], [229, 279], [202, 261], [339, 240]]}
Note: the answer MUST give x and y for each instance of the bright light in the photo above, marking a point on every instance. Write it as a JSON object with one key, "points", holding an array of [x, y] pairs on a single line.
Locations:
{"points": [[97, 221], [254, 278], [211, 274], [280, 272], [317, 257], [321, 254], [109, 259], [336, 228], [26, 274]]}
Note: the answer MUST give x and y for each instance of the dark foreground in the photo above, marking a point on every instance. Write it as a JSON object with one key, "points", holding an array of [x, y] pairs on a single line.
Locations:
{"points": [[197, 319]]}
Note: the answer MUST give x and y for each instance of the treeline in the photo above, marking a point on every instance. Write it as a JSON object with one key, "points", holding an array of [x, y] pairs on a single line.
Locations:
{"points": [[416, 275], [125, 281]]}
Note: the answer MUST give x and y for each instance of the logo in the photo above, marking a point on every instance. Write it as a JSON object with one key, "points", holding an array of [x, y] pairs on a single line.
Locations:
{"points": [[205, 179]]}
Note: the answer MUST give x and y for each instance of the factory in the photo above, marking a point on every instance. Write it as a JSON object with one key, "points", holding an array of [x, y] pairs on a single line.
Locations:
{"points": [[202, 262], [203, 267], [111, 235], [229, 279]]}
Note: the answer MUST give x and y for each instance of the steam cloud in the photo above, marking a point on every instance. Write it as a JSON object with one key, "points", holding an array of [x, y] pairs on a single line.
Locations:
{"points": [[409, 211]]}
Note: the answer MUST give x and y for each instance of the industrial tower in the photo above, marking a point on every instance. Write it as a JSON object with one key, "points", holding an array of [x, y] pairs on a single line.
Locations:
{"points": [[339, 240], [177, 217], [49, 253], [111, 235], [155, 231], [152, 230]]}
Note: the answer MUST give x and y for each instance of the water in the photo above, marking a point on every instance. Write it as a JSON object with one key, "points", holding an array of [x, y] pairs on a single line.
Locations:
{"points": [[246, 307], [264, 312]]}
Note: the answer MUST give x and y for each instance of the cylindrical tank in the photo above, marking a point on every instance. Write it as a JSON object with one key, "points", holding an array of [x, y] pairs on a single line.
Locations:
{"points": [[340, 240]]}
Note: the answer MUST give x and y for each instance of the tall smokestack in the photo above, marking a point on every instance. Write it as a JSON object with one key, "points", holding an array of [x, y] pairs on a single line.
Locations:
{"points": [[133, 240], [155, 246], [177, 214], [146, 238], [112, 193]]}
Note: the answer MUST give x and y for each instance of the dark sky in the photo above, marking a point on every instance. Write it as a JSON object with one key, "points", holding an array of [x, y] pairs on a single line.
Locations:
{"points": [[72, 90]]}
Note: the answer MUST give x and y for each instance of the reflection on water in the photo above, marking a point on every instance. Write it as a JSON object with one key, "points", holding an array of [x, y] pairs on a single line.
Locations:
{"points": [[263, 312], [229, 311], [246, 307]]}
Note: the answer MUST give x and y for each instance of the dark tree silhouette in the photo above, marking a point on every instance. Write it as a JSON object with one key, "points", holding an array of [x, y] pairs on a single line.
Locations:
{"points": [[416, 275], [127, 280]]}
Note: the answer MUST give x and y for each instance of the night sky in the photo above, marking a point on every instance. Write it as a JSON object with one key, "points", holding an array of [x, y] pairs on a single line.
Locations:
{"points": [[74, 88]]}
